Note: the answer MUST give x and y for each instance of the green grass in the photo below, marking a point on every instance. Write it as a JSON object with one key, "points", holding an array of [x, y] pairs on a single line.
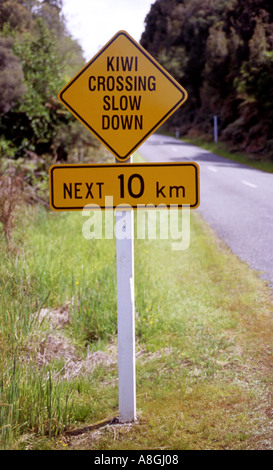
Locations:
{"points": [[203, 341]]}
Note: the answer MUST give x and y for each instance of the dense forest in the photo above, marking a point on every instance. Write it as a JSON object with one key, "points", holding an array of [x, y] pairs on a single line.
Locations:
{"points": [[37, 57], [221, 51]]}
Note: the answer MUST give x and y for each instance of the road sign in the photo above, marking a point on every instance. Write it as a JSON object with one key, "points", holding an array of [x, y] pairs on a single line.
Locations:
{"points": [[72, 187], [122, 95]]}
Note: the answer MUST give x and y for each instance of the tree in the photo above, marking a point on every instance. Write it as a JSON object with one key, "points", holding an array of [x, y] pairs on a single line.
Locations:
{"points": [[221, 52], [17, 14], [12, 88], [175, 34], [37, 57], [34, 115]]}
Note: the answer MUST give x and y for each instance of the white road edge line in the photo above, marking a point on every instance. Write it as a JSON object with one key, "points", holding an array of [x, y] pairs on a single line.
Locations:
{"points": [[212, 168], [251, 185]]}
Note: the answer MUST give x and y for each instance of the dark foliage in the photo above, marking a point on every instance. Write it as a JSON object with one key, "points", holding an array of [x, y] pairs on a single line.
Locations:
{"points": [[37, 57], [221, 51]]}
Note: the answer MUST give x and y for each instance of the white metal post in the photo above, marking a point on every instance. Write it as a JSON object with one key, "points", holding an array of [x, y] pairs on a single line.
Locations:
{"points": [[215, 128], [126, 314]]}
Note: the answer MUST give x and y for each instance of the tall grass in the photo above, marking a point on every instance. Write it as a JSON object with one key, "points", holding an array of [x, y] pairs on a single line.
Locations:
{"points": [[31, 401], [94, 312], [54, 264], [202, 319]]}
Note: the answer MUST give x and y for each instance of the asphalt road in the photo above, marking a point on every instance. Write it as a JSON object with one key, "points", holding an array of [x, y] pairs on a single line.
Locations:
{"points": [[235, 200]]}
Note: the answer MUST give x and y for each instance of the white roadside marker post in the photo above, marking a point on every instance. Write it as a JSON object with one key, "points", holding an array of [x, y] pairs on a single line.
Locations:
{"points": [[126, 314], [215, 128]]}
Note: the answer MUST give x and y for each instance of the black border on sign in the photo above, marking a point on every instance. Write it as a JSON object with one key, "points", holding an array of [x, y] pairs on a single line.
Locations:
{"points": [[124, 165], [125, 157]]}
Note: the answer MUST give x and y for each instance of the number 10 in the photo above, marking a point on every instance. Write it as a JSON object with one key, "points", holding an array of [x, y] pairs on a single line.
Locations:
{"points": [[132, 193]]}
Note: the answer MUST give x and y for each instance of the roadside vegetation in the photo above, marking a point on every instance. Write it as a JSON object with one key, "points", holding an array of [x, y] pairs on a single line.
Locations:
{"points": [[203, 320], [222, 149], [203, 342], [220, 51], [37, 57]]}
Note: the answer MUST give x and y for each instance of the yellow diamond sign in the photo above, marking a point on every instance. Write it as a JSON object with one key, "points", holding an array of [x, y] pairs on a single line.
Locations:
{"points": [[122, 95]]}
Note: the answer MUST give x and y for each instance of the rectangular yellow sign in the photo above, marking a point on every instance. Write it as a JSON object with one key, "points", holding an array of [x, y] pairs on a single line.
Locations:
{"points": [[134, 185]]}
